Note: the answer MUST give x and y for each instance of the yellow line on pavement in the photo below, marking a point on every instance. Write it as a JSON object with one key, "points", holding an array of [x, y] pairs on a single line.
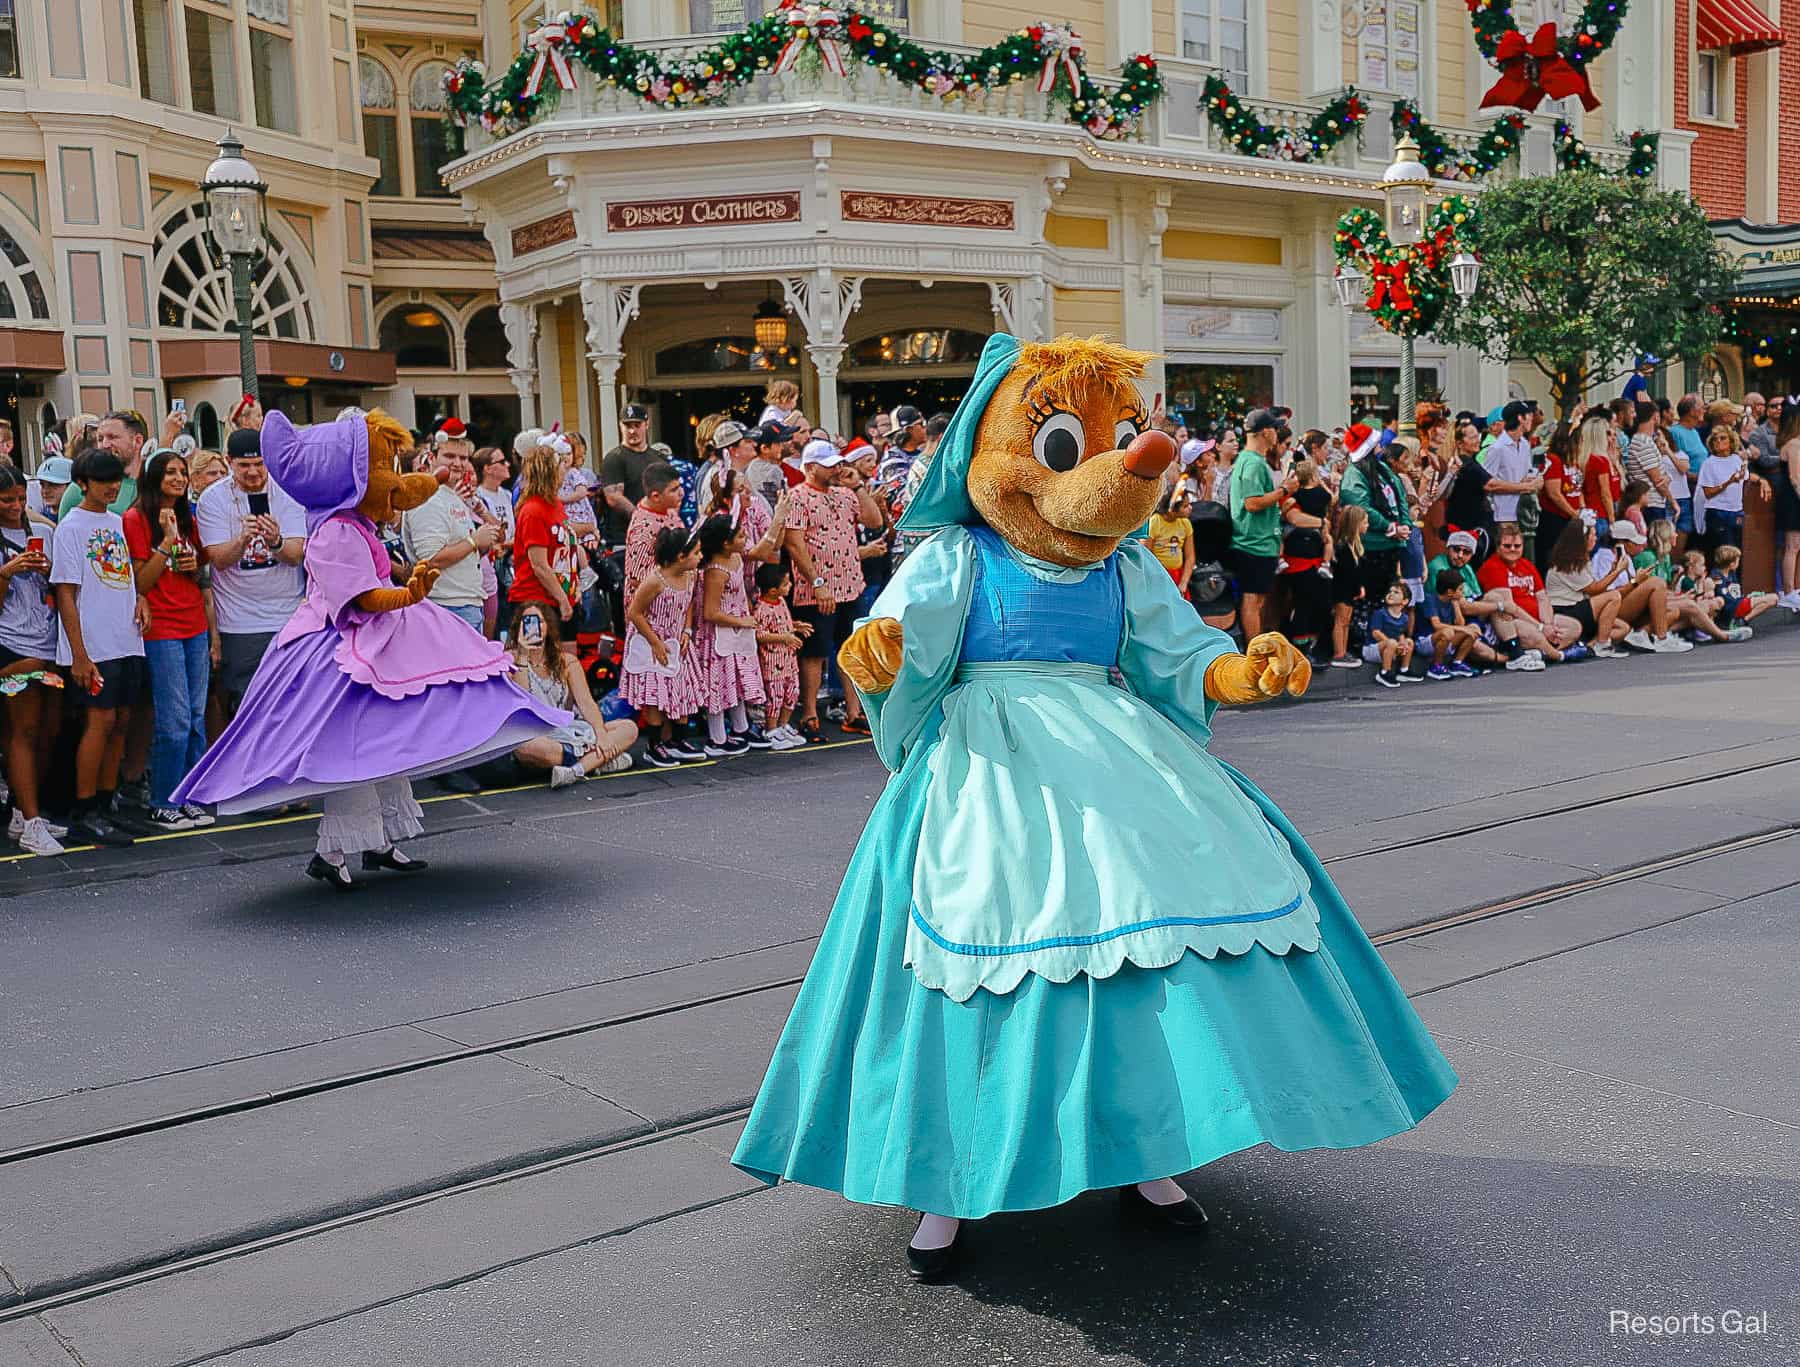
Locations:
{"points": [[441, 797]]}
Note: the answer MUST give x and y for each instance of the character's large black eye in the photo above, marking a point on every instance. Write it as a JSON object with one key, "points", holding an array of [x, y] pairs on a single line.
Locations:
{"points": [[1125, 433], [1058, 443]]}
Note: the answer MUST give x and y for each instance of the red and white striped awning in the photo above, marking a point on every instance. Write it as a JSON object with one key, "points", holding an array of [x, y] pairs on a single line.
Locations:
{"points": [[1735, 26]]}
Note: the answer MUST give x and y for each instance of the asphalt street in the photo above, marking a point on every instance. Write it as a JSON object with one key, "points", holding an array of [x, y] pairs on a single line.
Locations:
{"points": [[482, 1115]]}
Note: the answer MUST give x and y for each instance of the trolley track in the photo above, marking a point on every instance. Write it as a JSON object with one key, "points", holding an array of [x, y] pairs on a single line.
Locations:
{"points": [[192, 1258]]}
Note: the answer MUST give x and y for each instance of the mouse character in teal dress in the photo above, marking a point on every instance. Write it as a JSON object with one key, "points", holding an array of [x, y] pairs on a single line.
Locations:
{"points": [[1073, 950]]}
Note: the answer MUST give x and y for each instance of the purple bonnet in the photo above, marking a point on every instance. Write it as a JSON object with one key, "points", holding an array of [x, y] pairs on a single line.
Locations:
{"points": [[324, 468]]}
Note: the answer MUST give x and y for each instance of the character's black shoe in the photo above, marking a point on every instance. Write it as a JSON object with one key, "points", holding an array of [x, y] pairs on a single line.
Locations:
{"points": [[334, 876], [387, 859], [928, 1265], [1184, 1217]]}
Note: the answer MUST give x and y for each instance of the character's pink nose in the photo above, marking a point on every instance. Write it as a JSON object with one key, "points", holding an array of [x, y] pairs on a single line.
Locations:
{"points": [[1149, 454]]}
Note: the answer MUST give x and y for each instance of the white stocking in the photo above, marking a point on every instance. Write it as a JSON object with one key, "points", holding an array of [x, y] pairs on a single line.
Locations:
{"points": [[935, 1231], [1164, 1191], [739, 718]]}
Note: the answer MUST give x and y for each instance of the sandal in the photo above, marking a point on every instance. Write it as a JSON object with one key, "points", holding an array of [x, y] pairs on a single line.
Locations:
{"points": [[809, 730], [855, 726]]}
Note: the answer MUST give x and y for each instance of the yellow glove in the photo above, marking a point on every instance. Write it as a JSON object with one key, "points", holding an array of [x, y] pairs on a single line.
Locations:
{"points": [[1269, 665], [870, 659]]}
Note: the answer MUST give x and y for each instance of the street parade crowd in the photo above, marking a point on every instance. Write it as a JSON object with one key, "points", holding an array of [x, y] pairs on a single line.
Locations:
{"points": [[686, 605]]}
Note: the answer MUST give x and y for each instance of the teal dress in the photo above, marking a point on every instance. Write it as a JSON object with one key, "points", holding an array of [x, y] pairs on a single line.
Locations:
{"points": [[1072, 950]]}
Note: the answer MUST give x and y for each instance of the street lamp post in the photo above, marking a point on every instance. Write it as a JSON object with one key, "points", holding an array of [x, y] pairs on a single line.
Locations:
{"points": [[1406, 185], [236, 212]]}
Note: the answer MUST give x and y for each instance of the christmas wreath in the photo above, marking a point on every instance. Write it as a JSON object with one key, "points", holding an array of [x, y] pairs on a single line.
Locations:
{"points": [[1572, 153], [1408, 286], [1546, 65], [1443, 160], [1051, 55], [1240, 126]]}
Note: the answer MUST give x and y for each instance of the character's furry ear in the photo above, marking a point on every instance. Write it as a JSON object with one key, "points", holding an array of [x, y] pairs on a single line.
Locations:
{"points": [[387, 438]]}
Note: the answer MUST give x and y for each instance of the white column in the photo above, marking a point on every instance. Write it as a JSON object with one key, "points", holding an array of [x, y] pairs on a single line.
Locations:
{"points": [[1129, 30], [827, 360], [823, 302], [521, 324], [1145, 217], [607, 309], [1318, 340]]}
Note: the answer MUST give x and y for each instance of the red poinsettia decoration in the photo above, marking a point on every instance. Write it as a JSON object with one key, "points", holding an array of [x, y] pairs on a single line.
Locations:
{"points": [[858, 27]]}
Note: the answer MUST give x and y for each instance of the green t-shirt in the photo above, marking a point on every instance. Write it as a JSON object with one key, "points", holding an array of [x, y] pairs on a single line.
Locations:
{"points": [[127, 497], [1254, 533], [1441, 562], [1662, 569]]}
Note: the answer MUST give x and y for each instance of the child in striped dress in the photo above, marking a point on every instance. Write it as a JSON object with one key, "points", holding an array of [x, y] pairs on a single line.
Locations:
{"points": [[777, 640], [658, 635], [726, 674]]}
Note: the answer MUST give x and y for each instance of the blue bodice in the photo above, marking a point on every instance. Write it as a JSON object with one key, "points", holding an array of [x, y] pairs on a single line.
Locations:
{"points": [[1015, 615]]}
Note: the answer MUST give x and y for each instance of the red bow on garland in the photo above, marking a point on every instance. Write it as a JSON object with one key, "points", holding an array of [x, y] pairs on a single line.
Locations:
{"points": [[1531, 71], [1390, 286]]}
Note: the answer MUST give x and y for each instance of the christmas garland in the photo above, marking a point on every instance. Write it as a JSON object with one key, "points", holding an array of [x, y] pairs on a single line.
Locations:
{"points": [[1051, 55], [1408, 286], [1572, 153], [1443, 160], [1548, 64], [1338, 120]]}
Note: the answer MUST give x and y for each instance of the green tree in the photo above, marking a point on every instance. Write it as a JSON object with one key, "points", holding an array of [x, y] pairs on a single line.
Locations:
{"points": [[1581, 272]]}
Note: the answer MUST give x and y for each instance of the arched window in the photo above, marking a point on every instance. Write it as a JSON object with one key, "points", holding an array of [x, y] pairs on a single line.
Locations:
{"points": [[419, 338], [206, 427], [431, 143], [381, 122], [194, 285], [484, 342], [21, 291]]}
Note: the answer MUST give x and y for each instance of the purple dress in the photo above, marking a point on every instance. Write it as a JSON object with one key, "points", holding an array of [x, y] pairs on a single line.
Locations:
{"points": [[346, 697]]}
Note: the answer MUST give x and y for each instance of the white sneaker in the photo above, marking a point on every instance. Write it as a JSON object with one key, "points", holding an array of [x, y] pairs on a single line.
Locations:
{"points": [[198, 814], [1640, 640], [35, 837], [618, 764], [1606, 650], [1789, 600], [1739, 633], [1530, 662], [786, 739], [16, 827], [1671, 645], [564, 774]]}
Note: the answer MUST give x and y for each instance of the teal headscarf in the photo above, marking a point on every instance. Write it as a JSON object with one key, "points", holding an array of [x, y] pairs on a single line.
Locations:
{"points": [[943, 497]]}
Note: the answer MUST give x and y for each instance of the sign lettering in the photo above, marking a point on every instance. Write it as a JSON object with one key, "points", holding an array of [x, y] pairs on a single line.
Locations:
{"points": [[708, 211]]}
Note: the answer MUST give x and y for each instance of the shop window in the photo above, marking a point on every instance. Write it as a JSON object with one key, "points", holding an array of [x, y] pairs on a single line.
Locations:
{"points": [[272, 79], [721, 356], [418, 337], [926, 346], [1388, 35], [381, 123], [1375, 389], [1209, 395], [212, 62], [431, 134], [9, 39], [1711, 74], [484, 342], [1218, 32]]}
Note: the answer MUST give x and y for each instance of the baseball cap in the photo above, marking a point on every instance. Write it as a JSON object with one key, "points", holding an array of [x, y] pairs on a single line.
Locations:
{"points": [[1512, 412], [635, 412], [56, 470], [1261, 420], [1194, 448], [246, 441], [771, 433], [1464, 541], [1624, 529], [906, 415], [821, 453], [727, 433]]}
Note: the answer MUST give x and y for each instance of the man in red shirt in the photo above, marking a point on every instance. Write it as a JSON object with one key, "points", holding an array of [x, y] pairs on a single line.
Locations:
{"points": [[1507, 576]]}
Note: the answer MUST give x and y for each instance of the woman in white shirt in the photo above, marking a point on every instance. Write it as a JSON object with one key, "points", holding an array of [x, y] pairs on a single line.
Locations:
{"points": [[1721, 480]]}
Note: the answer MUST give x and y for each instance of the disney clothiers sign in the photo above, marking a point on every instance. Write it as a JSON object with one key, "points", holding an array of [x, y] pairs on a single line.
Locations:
{"points": [[706, 211]]}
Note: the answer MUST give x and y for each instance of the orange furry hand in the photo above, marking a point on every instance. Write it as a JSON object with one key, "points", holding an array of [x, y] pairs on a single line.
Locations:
{"points": [[392, 600], [419, 584], [870, 659], [1269, 666]]}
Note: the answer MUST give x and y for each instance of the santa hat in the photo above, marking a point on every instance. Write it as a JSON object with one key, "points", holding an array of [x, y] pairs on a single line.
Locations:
{"points": [[451, 429], [1360, 439], [239, 408]]}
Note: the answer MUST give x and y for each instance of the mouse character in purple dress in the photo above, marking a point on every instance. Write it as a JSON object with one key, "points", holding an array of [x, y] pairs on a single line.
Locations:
{"points": [[368, 686]]}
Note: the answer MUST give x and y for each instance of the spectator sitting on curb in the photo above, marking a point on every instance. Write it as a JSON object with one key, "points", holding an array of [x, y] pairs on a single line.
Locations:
{"points": [[1539, 631]]}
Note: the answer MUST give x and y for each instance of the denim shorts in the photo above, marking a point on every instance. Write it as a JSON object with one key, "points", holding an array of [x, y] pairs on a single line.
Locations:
{"points": [[1685, 522]]}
